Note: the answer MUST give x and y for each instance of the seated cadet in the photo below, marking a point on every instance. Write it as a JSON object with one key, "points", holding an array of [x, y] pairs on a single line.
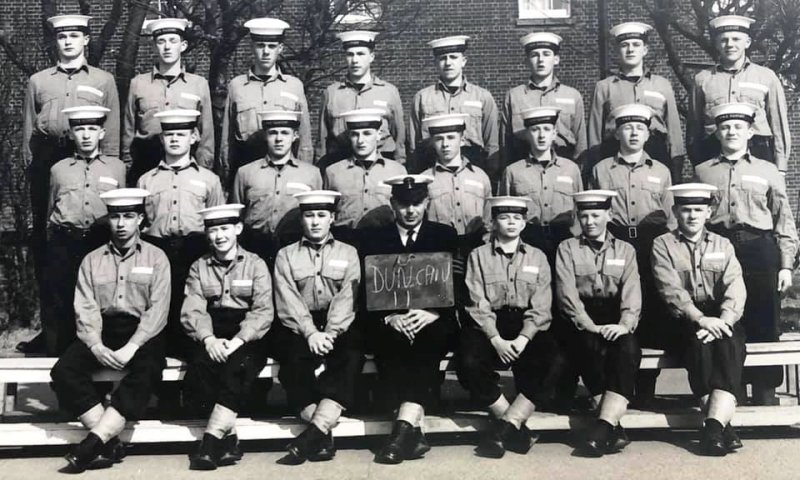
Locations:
{"points": [[76, 220], [316, 281], [360, 179], [700, 279], [597, 287], [121, 303], [227, 311], [266, 188], [409, 344], [510, 311], [180, 189]]}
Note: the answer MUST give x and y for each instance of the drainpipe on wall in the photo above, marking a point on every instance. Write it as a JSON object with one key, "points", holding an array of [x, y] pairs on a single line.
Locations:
{"points": [[602, 36]]}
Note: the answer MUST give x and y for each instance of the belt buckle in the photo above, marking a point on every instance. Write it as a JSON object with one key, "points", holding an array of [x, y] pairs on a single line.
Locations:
{"points": [[633, 232]]}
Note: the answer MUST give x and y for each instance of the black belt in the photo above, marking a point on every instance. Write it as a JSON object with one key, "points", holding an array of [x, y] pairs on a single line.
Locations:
{"points": [[510, 310], [71, 231]]}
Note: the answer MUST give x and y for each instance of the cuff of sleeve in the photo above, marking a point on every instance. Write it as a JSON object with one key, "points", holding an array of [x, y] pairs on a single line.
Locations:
{"points": [[246, 334], [92, 340], [529, 330], [201, 335], [693, 313], [138, 339], [728, 317], [490, 331], [307, 329], [787, 261], [629, 322], [582, 321]]}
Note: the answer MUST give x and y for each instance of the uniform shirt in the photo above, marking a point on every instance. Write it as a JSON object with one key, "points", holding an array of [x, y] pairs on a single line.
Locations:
{"points": [[687, 273], [111, 284], [341, 97], [363, 192], [495, 281], [482, 128], [243, 285], [458, 198], [75, 188], [642, 197], [247, 96], [549, 185], [176, 195], [751, 192], [609, 272], [308, 280], [266, 191], [753, 84], [571, 126], [151, 93], [53, 89], [652, 90]]}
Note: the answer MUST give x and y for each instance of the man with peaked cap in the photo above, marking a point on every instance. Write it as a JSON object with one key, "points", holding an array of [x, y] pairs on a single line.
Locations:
{"points": [[360, 89], [409, 344], [737, 79], [121, 303], [452, 93], [263, 87], [227, 311], [45, 130], [701, 282], [316, 283], [266, 188], [179, 188], [360, 178], [598, 290], [752, 211], [509, 309], [76, 219], [167, 86], [634, 83], [543, 89]]}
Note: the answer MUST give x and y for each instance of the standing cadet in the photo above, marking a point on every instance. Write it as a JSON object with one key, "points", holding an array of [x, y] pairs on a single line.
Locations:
{"points": [[45, 131], [227, 311], [700, 280], [76, 220], [452, 93], [180, 189], [752, 211], [121, 303], [639, 213], [636, 84], [597, 287], [509, 308], [167, 87], [409, 344], [360, 179], [360, 89], [543, 88], [737, 79], [263, 87], [316, 282], [266, 188]]}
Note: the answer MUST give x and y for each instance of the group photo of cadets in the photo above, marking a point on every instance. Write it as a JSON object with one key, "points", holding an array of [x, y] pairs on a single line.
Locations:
{"points": [[575, 241]]}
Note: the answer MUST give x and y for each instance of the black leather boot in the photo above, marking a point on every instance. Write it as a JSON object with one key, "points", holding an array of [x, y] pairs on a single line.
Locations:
{"points": [[82, 456], [207, 454], [393, 451], [230, 453]]}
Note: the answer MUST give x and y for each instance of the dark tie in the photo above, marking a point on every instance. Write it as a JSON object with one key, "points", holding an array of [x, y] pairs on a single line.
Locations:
{"points": [[631, 78], [410, 240]]}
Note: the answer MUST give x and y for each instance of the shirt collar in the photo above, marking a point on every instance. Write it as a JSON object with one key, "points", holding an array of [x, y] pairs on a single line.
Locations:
{"points": [[554, 84], [684, 239], [304, 242], [76, 158], [251, 76], [353, 163], [722, 158], [610, 239], [549, 163], [404, 231], [374, 80], [497, 250], [84, 67], [162, 165], [266, 162], [213, 260], [464, 164], [111, 249], [464, 85], [718, 67], [618, 76], [155, 74], [645, 160]]}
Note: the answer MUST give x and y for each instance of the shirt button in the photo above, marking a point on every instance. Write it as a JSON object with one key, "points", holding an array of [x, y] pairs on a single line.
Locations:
{"points": [[121, 277], [633, 203], [227, 291], [458, 204], [86, 203], [167, 103], [545, 204], [633, 219], [733, 204], [545, 188], [120, 297], [365, 209], [265, 103], [733, 184], [458, 220], [456, 187], [319, 292], [68, 93], [366, 190], [318, 255], [318, 274], [87, 185], [174, 186], [633, 186], [278, 192], [174, 202], [174, 218]]}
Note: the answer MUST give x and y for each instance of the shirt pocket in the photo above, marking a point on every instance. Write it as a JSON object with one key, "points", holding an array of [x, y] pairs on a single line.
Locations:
{"points": [[333, 272], [246, 123], [105, 184], [754, 190], [105, 286], [655, 100], [189, 101], [588, 270], [300, 274], [88, 95], [212, 293], [564, 185], [139, 280], [49, 112], [713, 262], [496, 286], [614, 267], [753, 93], [242, 289], [474, 108]]}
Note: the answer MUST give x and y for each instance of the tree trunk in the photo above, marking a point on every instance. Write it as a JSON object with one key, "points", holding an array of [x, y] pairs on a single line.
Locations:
{"points": [[129, 48]]}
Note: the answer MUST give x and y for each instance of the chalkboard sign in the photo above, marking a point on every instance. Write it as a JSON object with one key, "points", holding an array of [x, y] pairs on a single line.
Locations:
{"points": [[409, 280]]}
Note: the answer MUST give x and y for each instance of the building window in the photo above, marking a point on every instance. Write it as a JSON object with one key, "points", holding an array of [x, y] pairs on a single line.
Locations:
{"points": [[354, 13], [543, 9]]}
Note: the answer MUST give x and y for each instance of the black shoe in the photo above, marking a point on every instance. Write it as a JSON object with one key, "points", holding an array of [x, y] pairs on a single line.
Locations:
{"points": [[393, 450], [731, 438], [325, 451], [417, 445], [82, 456], [711, 442], [493, 445], [230, 453], [597, 440], [302, 447], [521, 440], [114, 450], [207, 454], [618, 440], [33, 346]]}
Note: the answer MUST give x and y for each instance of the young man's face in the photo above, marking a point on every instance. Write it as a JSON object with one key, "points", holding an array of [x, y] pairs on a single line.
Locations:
{"points": [[169, 47], [71, 44], [691, 218], [363, 141], [734, 134], [124, 226], [508, 226], [731, 46], [317, 224], [223, 238], [632, 52], [359, 60], [408, 215], [450, 65], [87, 138], [279, 141], [447, 146], [593, 222], [632, 136], [541, 137], [542, 62], [178, 143], [266, 54]]}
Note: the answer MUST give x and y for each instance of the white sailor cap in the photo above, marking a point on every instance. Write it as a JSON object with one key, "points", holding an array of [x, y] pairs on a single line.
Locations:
{"points": [[733, 111], [221, 214], [593, 199], [630, 30], [66, 23], [692, 193], [363, 118], [357, 38], [177, 119], [266, 29], [537, 115], [125, 199], [449, 122], [317, 200], [163, 26], [409, 188], [508, 204], [536, 40], [86, 115], [455, 43], [731, 23], [632, 112], [279, 118]]}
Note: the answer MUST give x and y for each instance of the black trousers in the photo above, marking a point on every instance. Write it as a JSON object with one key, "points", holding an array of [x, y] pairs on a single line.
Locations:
{"points": [[72, 374], [65, 250], [536, 371], [761, 146]]}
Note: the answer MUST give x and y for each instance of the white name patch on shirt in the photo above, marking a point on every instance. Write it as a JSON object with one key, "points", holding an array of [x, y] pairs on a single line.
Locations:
{"points": [[564, 179], [714, 256], [190, 96], [568, 101], [473, 183], [473, 103], [241, 283], [290, 96], [530, 269], [755, 179], [654, 180], [142, 270], [653, 94], [92, 90], [615, 262], [198, 183], [338, 263], [754, 86], [380, 103], [108, 180], [298, 186]]}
